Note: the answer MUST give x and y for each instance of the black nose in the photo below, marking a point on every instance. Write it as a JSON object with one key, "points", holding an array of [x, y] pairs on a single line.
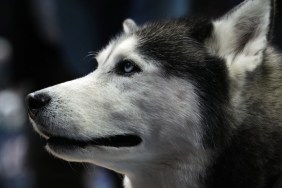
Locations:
{"points": [[35, 102]]}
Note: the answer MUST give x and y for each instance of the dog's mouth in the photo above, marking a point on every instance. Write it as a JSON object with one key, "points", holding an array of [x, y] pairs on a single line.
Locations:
{"points": [[116, 141]]}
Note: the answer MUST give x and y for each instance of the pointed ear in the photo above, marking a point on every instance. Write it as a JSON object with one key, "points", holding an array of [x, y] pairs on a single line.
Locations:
{"points": [[242, 35], [129, 26]]}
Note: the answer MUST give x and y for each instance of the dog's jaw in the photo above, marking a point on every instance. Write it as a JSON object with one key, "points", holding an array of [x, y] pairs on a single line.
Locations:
{"points": [[168, 176]]}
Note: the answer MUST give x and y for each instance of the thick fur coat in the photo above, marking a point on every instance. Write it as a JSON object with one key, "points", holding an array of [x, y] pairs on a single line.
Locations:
{"points": [[181, 103]]}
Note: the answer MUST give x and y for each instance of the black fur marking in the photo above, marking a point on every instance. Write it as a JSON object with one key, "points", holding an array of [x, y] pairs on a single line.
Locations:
{"points": [[272, 19], [201, 29], [250, 160], [278, 183]]}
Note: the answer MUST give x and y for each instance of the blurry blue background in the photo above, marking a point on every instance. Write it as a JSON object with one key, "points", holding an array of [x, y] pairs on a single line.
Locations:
{"points": [[44, 42]]}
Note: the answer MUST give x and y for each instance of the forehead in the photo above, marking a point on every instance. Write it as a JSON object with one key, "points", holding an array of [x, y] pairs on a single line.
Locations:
{"points": [[169, 40], [165, 42]]}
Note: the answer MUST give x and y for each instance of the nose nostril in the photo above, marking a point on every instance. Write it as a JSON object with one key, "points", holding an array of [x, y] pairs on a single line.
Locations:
{"points": [[36, 101]]}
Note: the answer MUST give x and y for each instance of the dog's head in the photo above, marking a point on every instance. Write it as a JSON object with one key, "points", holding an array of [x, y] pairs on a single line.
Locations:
{"points": [[161, 91]]}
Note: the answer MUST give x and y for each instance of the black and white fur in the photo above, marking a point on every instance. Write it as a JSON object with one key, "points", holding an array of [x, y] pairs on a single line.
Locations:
{"points": [[203, 97]]}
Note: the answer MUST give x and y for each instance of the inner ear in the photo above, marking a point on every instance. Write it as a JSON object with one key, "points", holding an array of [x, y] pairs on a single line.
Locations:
{"points": [[129, 26]]}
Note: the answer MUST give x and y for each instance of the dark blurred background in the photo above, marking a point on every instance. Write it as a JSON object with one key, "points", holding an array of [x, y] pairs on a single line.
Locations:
{"points": [[44, 42]]}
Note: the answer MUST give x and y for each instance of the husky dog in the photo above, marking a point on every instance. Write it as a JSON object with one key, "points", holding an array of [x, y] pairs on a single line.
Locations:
{"points": [[187, 103]]}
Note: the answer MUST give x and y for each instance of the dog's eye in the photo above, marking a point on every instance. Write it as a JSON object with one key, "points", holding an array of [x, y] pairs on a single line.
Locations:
{"points": [[127, 68]]}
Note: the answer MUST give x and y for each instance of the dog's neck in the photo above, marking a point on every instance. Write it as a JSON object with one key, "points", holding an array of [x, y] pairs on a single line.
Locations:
{"points": [[180, 175]]}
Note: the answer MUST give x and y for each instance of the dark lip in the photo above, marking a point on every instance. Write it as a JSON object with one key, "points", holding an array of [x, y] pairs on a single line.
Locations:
{"points": [[31, 114], [117, 141]]}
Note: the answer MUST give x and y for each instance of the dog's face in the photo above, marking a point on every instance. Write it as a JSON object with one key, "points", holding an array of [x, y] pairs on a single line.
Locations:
{"points": [[127, 110], [154, 93]]}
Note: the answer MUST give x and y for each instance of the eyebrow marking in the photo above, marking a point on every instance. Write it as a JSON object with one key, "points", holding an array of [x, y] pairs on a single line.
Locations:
{"points": [[119, 48]]}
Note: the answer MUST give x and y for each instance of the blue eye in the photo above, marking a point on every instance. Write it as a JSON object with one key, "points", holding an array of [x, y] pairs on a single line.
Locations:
{"points": [[127, 68]]}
